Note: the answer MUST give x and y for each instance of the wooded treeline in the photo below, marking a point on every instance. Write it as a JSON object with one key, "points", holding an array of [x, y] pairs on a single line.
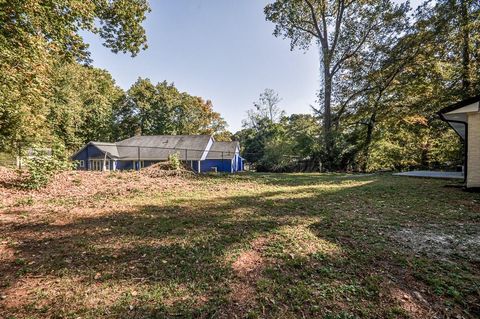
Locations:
{"points": [[50, 94], [386, 71]]}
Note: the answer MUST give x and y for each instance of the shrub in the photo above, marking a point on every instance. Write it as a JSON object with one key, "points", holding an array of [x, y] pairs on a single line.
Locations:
{"points": [[42, 165], [174, 162]]}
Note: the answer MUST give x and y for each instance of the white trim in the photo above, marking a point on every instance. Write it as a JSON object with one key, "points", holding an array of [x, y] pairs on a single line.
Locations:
{"points": [[199, 167], [207, 149]]}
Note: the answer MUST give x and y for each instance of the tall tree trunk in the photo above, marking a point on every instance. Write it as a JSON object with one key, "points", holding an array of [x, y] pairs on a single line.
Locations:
{"points": [[327, 120], [368, 139], [466, 83]]}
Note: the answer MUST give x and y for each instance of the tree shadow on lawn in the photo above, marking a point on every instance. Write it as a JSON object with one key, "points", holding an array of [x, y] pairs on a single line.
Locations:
{"points": [[292, 179], [168, 260]]}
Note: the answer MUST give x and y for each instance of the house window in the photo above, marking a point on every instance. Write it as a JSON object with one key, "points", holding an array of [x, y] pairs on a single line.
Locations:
{"points": [[98, 165], [81, 163]]}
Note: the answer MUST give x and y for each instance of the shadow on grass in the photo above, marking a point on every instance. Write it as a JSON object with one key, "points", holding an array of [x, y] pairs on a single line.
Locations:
{"points": [[175, 259]]}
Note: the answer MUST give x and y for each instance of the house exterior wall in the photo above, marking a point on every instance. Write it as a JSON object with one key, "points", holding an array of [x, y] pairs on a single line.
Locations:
{"points": [[88, 152], [221, 165], [125, 165], [92, 152], [225, 166], [239, 164], [473, 153], [133, 165]]}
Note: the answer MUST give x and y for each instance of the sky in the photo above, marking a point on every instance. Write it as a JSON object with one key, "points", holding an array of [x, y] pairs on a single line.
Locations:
{"points": [[221, 50]]}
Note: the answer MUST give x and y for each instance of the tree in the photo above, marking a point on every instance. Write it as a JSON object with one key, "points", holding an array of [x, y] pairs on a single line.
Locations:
{"points": [[342, 28], [395, 121], [35, 35], [453, 29], [162, 109], [284, 146], [267, 107], [81, 105], [303, 132]]}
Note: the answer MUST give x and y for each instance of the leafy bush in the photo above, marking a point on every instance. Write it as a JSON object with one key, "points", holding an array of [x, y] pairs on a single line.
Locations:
{"points": [[174, 161], [41, 165]]}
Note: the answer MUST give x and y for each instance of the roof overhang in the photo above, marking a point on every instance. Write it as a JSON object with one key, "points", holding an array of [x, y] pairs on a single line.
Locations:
{"points": [[456, 115]]}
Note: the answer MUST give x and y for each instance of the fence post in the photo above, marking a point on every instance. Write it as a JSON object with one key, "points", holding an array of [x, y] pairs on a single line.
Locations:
{"points": [[19, 156], [138, 151]]}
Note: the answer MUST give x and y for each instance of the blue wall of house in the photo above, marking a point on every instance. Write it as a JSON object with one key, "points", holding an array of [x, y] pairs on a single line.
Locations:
{"points": [[224, 166], [125, 165], [88, 152], [221, 165], [92, 151]]}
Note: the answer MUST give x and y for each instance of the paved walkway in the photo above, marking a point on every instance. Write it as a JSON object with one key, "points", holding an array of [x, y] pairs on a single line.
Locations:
{"points": [[432, 174]]}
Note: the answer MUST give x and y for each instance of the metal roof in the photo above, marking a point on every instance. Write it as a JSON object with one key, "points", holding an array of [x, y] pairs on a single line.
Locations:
{"points": [[223, 150], [160, 147]]}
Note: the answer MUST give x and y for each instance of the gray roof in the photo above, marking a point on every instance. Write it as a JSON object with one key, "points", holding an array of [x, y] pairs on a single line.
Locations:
{"points": [[158, 147], [109, 148], [223, 150]]}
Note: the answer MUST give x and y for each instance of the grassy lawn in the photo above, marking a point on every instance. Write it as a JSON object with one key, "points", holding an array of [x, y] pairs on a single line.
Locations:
{"points": [[254, 246]]}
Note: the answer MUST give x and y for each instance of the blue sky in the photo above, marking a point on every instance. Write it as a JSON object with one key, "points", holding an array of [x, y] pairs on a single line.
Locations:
{"points": [[221, 50]]}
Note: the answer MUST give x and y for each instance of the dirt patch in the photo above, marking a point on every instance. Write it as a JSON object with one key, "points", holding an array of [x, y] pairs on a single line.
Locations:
{"points": [[248, 267], [440, 243], [248, 264], [413, 304]]}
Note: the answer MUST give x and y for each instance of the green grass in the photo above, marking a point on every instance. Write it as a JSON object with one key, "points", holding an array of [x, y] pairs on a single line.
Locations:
{"points": [[253, 246]]}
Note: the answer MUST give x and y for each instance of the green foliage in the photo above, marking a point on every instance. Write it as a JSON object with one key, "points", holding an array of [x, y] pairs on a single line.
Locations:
{"points": [[174, 161], [42, 165], [344, 31], [161, 109], [289, 144], [386, 89], [81, 106], [36, 36]]}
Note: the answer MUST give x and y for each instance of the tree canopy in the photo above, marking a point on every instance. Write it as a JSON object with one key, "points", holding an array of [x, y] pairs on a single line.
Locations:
{"points": [[385, 74], [36, 36], [162, 109]]}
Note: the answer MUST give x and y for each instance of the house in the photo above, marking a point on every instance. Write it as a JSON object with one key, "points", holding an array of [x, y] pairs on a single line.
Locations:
{"points": [[224, 157], [464, 118], [142, 151]]}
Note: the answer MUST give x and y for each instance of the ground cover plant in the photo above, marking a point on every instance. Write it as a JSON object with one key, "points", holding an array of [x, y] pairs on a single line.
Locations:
{"points": [[131, 245]]}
